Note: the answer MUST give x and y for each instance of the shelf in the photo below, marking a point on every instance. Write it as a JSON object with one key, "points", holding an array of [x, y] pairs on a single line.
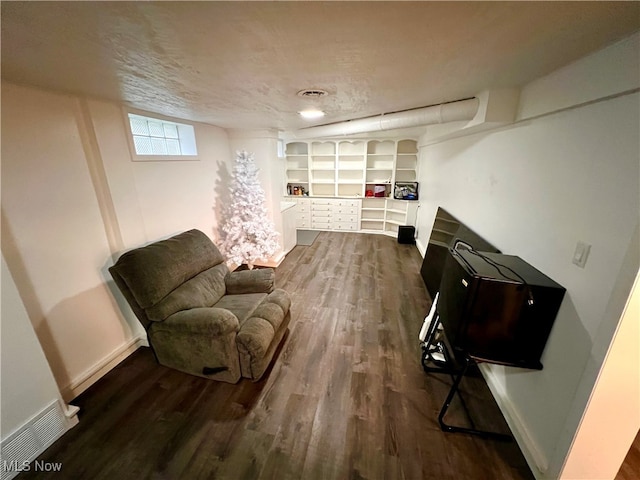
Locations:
{"points": [[407, 147], [394, 222], [380, 147], [351, 148], [350, 168], [372, 225], [439, 243], [297, 148], [350, 189], [321, 189], [323, 148]]}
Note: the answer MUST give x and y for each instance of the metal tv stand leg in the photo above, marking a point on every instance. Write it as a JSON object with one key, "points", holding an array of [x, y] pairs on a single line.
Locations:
{"points": [[454, 429]]}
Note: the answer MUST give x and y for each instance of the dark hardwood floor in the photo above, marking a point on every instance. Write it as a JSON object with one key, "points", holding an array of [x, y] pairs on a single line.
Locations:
{"points": [[630, 468], [346, 397]]}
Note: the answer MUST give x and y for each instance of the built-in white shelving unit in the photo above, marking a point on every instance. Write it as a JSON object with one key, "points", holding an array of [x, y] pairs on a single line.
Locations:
{"points": [[380, 164], [398, 212], [297, 169], [372, 216], [406, 161], [327, 173], [323, 168], [351, 161]]}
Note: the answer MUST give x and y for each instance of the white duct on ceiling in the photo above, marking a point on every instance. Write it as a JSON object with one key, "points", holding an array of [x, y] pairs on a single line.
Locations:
{"points": [[443, 113]]}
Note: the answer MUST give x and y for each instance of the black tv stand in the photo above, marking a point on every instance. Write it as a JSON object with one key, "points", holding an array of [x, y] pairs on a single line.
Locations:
{"points": [[456, 367]]}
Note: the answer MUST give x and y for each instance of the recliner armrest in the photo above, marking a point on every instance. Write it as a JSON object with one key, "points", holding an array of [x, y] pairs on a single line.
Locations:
{"points": [[204, 320], [261, 280]]}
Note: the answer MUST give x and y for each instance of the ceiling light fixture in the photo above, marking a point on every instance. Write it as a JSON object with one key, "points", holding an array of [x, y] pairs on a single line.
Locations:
{"points": [[311, 114], [312, 93]]}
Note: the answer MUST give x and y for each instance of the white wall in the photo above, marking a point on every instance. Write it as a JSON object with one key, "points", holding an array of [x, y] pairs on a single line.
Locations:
{"points": [[72, 200], [27, 385], [534, 189], [53, 237], [612, 419], [156, 199]]}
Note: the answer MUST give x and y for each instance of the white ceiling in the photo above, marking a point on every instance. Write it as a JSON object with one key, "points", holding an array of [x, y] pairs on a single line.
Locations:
{"points": [[240, 64]]}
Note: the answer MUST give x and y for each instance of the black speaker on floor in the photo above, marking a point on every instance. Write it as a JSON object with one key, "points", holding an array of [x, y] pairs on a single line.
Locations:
{"points": [[407, 234]]}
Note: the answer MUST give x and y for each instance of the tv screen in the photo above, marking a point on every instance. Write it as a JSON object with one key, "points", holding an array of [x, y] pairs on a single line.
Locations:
{"points": [[497, 308]]}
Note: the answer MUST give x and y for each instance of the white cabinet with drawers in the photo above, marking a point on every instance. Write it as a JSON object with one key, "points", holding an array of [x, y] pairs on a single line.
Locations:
{"points": [[303, 212], [333, 214], [346, 214], [371, 215]]}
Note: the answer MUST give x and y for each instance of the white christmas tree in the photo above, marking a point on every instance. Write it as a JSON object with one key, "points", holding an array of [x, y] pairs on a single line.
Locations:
{"points": [[247, 234]]}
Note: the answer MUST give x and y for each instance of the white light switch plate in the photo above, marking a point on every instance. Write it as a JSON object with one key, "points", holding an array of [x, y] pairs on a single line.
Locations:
{"points": [[581, 254]]}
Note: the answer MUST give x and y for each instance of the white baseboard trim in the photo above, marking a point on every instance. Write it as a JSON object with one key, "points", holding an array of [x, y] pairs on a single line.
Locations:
{"points": [[97, 371], [537, 460], [21, 448]]}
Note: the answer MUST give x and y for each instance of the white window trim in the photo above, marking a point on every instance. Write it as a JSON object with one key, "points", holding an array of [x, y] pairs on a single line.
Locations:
{"points": [[155, 158]]}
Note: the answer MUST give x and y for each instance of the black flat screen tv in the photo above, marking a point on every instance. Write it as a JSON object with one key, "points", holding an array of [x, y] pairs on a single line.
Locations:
{"points": [[497, 308]]}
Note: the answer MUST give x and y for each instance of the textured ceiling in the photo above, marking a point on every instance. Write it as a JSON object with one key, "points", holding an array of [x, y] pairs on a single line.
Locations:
{"points": [[240, 64]]}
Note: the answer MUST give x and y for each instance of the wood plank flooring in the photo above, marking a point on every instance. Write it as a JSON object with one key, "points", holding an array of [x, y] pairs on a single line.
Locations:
{"points": [[346, 398], [630, 468]]}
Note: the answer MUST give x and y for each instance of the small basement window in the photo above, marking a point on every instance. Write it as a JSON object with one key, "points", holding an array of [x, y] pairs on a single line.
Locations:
{"points": [[157, 139]]}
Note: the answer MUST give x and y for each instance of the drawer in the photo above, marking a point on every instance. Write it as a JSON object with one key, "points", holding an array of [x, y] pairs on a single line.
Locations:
{"points": [[345, 226], [322, 214], [303, 216], [341, 202], [320, 208], [345, 218], [302, 207], [345, 209], [321, 225], [322, 201], [303, 223]]}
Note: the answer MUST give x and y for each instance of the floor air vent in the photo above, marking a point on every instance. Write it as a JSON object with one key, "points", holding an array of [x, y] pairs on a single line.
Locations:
{"points": [[22, 447]]}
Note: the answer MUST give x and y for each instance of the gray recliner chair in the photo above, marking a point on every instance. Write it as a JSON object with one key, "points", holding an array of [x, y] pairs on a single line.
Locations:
{"points": [[201, 318]]}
